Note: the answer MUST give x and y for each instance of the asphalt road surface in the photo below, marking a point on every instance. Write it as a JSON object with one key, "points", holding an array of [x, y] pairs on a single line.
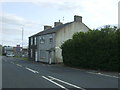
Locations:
{"points": [[17, 73]]}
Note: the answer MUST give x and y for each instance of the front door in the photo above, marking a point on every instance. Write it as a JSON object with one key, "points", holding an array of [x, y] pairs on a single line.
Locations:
{"points": [[36, 55], [50, 57]]}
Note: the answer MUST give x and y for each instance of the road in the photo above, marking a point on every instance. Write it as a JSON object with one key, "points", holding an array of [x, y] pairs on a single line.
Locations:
{"points": [[17, 73]]}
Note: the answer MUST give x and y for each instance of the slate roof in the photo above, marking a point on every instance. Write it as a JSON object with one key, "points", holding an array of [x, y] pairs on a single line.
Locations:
{"points": [[52, 30]]}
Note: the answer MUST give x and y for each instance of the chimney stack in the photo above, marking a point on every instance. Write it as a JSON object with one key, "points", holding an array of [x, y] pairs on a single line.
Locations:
{"points": [[77, 18], [57, 23], [47, 27]]}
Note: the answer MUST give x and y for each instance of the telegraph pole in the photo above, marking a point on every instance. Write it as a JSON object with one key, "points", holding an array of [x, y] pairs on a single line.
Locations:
{"points": [[22, 38], [63, 19]]}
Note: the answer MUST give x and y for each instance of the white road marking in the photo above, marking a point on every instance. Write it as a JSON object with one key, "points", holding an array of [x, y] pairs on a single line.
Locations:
{"points": [[55, 83], [103, 74], [99, 73], [65, 82], [31, 70], [19, 65]]}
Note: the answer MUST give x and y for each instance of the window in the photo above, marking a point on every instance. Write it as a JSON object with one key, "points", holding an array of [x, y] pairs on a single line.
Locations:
{"points": [[50, 39], [31, 41], [42, 54], [42, 40], [35, 40]]}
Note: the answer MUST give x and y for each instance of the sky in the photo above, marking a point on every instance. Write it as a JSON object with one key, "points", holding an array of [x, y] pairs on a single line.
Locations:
{"points": [[32, 15]]}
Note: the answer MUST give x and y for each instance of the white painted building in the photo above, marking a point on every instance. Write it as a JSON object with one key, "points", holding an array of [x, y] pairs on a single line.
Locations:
{"points": [[49, 41]]}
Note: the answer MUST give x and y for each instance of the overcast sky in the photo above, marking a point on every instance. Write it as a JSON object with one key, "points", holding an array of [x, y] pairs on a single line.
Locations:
{"points": [[32, 15]]}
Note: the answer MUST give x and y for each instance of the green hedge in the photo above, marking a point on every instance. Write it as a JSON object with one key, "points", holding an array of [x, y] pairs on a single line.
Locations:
{"points": [[95, 49]]}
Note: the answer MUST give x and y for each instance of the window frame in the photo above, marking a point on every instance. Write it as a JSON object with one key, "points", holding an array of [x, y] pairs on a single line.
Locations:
{"points": [[31, 41], [31, 53], [35, 40], [42, 40], [50, 39]]}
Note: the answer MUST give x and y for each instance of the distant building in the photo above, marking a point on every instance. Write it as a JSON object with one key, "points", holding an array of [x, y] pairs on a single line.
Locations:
{"points": [[0, 49], [25, 52], [45, 46], [7, 50], [17, 50], [3, 50]]}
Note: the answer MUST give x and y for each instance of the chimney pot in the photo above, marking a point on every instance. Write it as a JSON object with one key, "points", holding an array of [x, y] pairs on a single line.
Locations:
{"points": [[77, 18], [47, 27], [57, 23]]}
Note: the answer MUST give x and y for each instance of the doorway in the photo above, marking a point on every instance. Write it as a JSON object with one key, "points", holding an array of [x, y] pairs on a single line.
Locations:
{"points": [[36, 55], [50, 58]]}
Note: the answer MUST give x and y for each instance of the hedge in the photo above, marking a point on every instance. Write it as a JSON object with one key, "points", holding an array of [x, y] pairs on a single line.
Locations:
{"points": [[95, 49]]}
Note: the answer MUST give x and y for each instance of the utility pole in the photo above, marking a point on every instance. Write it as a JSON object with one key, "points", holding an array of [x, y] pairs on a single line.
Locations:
{"points": [[22, 38], [63, 19]]}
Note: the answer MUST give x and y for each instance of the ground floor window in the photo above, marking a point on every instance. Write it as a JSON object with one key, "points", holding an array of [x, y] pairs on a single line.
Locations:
{"points": [[42, 54]]}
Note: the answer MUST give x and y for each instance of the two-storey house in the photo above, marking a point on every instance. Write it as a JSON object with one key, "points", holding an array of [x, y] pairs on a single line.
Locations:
{"points": [[45, 46]]}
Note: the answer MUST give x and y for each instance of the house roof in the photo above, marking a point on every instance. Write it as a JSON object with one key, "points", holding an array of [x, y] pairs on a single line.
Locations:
{"points": [[52, 30]]}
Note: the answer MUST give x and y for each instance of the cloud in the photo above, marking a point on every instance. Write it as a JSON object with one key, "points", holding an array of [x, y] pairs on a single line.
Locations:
{"points": [[11, 22], [16, 20], [59, 4], [12, 41], [11, 19], [11, 26], [96, 12]]}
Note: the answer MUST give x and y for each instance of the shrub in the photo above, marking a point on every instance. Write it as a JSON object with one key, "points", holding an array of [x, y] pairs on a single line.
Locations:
{"points": [[95, 49]]}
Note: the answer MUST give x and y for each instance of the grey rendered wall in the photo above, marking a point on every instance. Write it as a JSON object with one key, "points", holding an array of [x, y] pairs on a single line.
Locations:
{"points": [[45, 47], [65, 34]]}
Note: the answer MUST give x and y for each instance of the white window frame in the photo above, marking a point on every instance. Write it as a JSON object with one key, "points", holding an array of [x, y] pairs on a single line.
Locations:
{"points": [[35, 40], [50, 39], [31, 40], [42, 40], [31, 53]]}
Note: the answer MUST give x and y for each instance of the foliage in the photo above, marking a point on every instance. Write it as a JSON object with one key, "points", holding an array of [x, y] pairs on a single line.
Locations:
{"points": [[95, 49]]}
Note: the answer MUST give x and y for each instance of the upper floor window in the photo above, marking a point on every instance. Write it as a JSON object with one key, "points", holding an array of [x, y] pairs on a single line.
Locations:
{"points": [[31, 41], [42, 39], [35, 40], [50, 39]]}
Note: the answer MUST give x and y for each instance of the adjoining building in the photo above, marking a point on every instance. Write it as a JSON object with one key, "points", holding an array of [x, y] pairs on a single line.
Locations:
{"points": [[0, 49], [45, 45]]}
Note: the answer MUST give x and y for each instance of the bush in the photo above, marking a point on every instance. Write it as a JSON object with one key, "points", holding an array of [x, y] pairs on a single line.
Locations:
{"points": [[95, 49]]}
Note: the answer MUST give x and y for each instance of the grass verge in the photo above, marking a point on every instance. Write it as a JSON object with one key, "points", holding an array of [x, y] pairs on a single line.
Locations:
{"points": [[22, 58]]}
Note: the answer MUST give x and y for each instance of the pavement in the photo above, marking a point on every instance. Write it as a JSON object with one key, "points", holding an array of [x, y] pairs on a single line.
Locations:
{"points": [[17, 73]]}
